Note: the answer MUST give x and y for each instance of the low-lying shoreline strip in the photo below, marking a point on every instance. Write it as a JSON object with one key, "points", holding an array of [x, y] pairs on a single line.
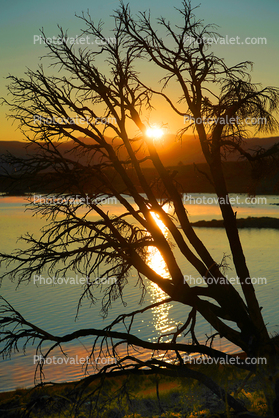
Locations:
{"points": [[250, 222]]}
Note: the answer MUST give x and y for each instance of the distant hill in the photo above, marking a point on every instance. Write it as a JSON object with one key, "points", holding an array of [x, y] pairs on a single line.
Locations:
{"points": [[179, 156], [189, 151], [171, 150]]}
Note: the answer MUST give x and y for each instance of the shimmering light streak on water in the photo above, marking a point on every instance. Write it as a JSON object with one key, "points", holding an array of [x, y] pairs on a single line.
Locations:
{"points": [[161, 320]]}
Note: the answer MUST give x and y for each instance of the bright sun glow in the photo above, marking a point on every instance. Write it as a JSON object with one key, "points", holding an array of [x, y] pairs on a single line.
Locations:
{"points": [[154, 132]]}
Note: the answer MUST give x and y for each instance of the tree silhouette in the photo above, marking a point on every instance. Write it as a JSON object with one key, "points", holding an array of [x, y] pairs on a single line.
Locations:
{"points": [[87, 105]]}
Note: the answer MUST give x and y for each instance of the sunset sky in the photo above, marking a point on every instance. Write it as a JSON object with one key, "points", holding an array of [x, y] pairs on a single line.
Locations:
{"points": [[21, 21]]}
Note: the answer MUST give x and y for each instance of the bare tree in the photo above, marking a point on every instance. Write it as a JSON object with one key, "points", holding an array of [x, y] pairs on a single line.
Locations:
{"points": [[65, 107], [238, 100]]}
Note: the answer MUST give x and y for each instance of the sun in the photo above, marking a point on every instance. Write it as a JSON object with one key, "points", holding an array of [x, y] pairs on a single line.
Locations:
{"points": [[154, 132]]}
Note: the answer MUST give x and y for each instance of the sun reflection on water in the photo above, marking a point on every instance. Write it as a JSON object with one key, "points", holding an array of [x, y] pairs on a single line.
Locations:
{"points": [[161, 321]]}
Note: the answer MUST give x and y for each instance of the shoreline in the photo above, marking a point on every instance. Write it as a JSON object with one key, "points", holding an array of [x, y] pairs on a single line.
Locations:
{"points": [[249, 222], [180, 397]]}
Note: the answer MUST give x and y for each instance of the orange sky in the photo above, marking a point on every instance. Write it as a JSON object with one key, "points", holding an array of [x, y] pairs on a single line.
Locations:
{"points": [[21, 21]]}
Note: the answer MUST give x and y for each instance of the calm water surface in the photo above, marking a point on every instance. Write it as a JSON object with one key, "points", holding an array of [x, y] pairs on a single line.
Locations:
{"points": [[53, 308]]}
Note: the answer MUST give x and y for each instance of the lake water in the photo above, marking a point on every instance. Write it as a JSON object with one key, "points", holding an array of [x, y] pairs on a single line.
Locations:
{"points": [[53, 308]]}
